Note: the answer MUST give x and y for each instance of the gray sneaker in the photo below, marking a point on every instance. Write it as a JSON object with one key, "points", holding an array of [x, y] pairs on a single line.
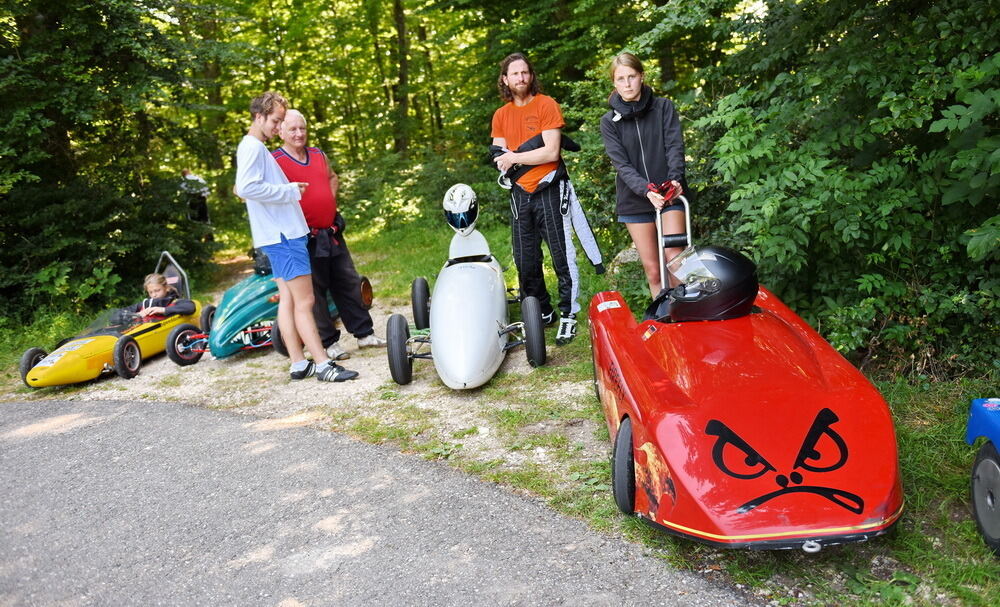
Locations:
{"points": [[371, 341], [331, 371], [335, 352], [309, 371]]}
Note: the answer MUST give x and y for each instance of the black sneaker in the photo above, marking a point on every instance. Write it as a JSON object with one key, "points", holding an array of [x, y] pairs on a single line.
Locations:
{"points": [[567, 329], [309, 371], [550, 318], [334, 372]]}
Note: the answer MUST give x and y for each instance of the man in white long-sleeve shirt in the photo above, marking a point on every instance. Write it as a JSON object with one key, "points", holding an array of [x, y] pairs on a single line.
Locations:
{"points": [[279, 228]]}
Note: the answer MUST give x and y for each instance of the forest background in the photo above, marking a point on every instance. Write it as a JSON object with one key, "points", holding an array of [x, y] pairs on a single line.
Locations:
{"points": [[852, 149]]}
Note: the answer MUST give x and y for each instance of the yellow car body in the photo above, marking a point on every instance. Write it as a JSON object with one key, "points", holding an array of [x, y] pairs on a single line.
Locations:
{"points": [[86, 357]]}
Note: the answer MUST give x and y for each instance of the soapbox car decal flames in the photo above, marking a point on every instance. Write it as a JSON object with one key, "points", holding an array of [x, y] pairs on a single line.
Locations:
{"points": [[742, 429]]}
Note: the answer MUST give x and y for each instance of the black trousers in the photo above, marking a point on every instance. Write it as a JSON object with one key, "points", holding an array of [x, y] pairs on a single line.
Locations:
{"points": [[337, 276], [537, 217]]}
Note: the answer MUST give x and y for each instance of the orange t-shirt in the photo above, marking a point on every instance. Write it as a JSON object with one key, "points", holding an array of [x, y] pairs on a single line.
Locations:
{"points": [[517, 124]]}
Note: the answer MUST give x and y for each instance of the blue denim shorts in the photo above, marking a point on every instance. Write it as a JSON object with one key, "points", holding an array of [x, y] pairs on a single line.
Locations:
{"points": [[289, 258], [648, 217]]}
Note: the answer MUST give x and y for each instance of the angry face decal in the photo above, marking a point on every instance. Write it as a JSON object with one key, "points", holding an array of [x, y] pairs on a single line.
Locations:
{"points": [[823, 450]]}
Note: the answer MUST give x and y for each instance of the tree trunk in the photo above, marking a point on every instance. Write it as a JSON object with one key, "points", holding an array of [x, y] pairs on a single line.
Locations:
{"points": [[401, 132]]}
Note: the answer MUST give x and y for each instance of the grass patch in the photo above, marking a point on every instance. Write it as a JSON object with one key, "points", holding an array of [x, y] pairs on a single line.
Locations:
{"points": [[934, 557], [438, 449], [171, 381], [465, 432]]}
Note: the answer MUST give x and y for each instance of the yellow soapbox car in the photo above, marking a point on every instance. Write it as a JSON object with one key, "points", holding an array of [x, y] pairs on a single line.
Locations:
{"points": [[118, 340]]}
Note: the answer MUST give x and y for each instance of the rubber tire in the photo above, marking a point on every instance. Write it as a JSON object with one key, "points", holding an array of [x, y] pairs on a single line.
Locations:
{"points": [[180, 335], [986, 495], [623, 469], [127, 357], [366, 293], [420, 298], [534, 331], [30, 358], [279, 346], [397, 332], [593, 364], [207, 315]]}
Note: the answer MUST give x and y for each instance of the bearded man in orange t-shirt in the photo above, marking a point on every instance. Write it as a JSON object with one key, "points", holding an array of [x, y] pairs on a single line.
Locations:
{"points": [[536, 194]]}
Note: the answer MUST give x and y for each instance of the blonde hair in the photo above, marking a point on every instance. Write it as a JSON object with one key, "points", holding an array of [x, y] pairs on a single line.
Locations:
{"points": [[626, 60], [158, 279]]}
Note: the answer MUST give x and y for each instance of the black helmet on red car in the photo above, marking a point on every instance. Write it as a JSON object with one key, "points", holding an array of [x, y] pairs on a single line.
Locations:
{"points": [[717, 283]]}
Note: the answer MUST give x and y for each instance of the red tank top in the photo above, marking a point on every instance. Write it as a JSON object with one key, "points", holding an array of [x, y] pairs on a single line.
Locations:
{"points": [[319, 205]]}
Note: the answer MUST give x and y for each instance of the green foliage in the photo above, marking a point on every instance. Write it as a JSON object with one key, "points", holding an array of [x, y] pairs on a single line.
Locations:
{"points": [[851, 148], [85, 210], [860, 155]]}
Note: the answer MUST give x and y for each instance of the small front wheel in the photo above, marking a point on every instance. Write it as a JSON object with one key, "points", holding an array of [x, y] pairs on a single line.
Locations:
{"points": [[30, 358], [986, 495], [397, 333], [182, 345], [279, 346], [623, 469], [207, 316], [127, 357], [366, 293], [534, 331], [420, 299]]}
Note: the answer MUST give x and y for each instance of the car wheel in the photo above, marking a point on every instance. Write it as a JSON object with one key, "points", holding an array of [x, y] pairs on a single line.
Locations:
{"points": [[420, 298], [207, 315], [397, 333], [127, 357], [593, 363], [986, 494], [30, 358], [534, 331], [279, 346], [623, 469], [182, 343], [367, 293]]}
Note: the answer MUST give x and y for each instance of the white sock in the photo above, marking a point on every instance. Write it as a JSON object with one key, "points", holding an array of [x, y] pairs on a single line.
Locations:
{"points": [[325, 362], [300, 365]]}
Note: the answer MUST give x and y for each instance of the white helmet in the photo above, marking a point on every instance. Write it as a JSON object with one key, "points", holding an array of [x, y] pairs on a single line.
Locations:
{"points": [[460, 208]]}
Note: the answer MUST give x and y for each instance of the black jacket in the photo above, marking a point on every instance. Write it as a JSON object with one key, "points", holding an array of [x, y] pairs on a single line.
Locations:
{"points": [[171, 304], [644, 141]]}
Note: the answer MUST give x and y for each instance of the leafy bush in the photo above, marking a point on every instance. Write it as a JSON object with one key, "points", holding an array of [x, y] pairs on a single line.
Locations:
{"points": [[857, 147], [84, 246]]}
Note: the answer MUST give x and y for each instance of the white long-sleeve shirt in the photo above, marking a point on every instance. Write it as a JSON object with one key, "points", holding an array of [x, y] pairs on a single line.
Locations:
{"points": [[272, 202]]}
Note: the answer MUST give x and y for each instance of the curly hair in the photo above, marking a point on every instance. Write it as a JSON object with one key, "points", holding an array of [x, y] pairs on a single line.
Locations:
{"points": [[266, 103], [505, 92]]}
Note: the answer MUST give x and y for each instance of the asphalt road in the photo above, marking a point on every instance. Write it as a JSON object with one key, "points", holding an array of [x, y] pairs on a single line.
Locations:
{"points": [[119, 503]]}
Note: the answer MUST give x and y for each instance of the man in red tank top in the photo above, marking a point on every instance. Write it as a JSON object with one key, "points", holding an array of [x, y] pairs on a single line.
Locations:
{"points": [[333, 269]]}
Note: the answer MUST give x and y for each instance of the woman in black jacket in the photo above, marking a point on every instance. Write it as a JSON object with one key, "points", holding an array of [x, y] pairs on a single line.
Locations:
{"points": [[642, 136]]}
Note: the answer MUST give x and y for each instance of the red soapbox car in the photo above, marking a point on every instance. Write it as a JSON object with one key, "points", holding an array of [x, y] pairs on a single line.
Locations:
{"points": [[734, 423]]}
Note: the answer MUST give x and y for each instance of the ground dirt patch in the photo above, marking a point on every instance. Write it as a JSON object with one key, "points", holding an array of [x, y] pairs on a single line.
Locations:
{"points": [[424, 416]]}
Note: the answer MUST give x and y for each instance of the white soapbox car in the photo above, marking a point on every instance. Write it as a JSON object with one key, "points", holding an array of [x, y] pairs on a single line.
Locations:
{"points": [[467, 313]]}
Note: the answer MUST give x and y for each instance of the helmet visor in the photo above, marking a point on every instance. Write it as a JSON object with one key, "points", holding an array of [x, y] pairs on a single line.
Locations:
{"points": [[688, 269], [463, 220]]}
